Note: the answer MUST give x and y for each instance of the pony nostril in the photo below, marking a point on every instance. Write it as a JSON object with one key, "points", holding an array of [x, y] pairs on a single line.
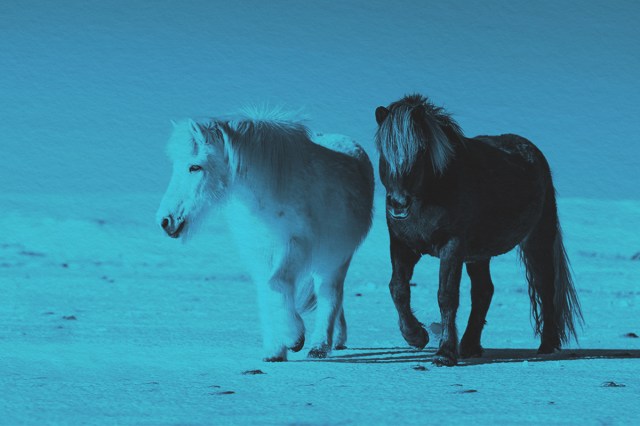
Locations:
{"points": [[165, 223], [398, 204]]}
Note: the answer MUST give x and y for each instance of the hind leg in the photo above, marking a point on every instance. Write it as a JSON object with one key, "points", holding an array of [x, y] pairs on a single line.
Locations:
{"points": [[340, 331], [329, 291], [403, 260], [538, 257], [481, 294]]}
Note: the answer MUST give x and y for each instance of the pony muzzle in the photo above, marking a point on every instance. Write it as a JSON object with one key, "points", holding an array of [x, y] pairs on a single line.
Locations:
{"points": [[171, 226], [398, 208]]}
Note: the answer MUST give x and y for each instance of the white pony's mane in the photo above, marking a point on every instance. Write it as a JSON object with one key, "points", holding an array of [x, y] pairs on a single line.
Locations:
{"points": [[261, 144]]}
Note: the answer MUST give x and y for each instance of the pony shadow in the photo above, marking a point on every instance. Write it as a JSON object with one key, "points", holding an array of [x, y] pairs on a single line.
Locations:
{"points": [[490, 356]]}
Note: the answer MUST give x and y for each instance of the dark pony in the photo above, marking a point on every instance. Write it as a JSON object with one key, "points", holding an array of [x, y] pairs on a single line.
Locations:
{"points": [[465, 200]]}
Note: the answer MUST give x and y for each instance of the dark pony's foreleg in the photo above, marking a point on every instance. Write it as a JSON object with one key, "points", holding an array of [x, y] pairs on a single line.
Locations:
{"points": [[403, 260], [448, 300], [481, 295]]}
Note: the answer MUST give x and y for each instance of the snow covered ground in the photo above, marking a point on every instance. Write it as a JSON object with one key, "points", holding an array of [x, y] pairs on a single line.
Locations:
{"points": [[106, 320]]}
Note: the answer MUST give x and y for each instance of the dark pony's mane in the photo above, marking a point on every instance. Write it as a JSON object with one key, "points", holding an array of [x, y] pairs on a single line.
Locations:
{"points": [[415, 126]]}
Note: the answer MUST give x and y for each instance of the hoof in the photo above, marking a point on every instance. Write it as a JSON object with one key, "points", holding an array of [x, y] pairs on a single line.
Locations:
{"points": [[441, 360], [340, 347], [546, 349], [447, 356], [418, 339], [274, 359], [468, 350], [318, 352], [298, 345]]}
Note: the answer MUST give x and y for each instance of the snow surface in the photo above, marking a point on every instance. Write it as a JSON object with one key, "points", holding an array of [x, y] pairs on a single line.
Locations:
{"points": [[105, 320]]}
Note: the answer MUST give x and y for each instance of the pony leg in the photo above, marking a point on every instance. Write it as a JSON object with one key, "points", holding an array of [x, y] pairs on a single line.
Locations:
{"points": [[283, 327], [481, 295], [403, 260], [329, 291], [340, 332], [448, 300]]}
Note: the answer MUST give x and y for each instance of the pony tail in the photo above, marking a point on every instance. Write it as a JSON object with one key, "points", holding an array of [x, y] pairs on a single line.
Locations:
{"points": [[549, 276], [566, 303]]}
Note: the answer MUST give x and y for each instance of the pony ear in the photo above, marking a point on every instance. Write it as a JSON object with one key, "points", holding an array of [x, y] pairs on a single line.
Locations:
{"points": [[196, 132], [381, 114]]}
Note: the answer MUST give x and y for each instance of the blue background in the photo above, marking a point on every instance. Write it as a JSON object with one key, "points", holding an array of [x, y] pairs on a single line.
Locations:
{"points": [[88, 88]]}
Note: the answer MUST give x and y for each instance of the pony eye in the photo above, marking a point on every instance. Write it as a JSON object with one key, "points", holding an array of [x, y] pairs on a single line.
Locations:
{"points": [[195, 168]]}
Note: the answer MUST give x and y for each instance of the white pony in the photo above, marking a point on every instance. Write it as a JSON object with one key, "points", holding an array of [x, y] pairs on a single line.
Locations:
{"points": [[298, 209]]}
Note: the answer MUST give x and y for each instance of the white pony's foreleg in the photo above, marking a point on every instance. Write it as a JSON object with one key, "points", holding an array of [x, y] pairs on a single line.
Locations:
{"points": [[283, 327], [329, 291]]}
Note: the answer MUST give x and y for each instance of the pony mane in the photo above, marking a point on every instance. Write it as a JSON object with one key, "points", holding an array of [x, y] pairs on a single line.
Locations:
{"points": [[413, 126], [262, 145]]}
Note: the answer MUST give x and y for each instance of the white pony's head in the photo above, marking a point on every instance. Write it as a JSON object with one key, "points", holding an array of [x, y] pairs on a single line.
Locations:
{"points": [[200, 177]]}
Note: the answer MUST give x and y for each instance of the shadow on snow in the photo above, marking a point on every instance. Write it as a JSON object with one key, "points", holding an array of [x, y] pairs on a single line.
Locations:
{"points": [[490, 356]]}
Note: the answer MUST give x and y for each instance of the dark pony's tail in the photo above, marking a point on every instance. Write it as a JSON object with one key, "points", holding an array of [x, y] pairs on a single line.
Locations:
{"points": [[549, 274], [565, 300]]}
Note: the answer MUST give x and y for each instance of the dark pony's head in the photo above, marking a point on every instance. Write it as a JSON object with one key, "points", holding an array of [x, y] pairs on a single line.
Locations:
{"points": [[415, 139]]}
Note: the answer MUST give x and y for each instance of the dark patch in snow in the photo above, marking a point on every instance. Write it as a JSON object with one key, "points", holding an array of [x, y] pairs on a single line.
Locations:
{"points": [[613, 385], [48, 313], [31, 253], [100, 222], [10, 245], [214, 386], [253, 372], [467, 391], [596, 255], [413, 284], [64, 265], [107, 279], [358, 294], [632, 335], [69, 317], [222, 393], [420, 368]]}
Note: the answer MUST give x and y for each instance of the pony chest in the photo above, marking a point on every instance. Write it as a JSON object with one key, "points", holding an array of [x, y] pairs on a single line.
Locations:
{"points": [[425, 233]]}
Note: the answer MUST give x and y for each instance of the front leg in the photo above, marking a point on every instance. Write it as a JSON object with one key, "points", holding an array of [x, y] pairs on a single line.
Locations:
{"points": [[403, 260], [448, 299], [282, 326]]}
